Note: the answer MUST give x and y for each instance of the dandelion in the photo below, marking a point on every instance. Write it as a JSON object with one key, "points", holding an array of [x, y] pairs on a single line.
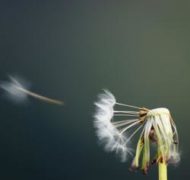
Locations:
{"points": [[116, 129], [18, 91]]}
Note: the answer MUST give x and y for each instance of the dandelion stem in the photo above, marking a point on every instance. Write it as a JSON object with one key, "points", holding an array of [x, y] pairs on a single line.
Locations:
{"points": [[127, 112], [124, 123], [131, 136], [162, 170], [134, 115], [121, 104], [130, 126]]}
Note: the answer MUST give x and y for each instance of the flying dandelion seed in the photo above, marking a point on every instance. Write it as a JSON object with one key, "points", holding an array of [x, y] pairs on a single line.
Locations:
{"points": [[154, 126], [17, 90]]}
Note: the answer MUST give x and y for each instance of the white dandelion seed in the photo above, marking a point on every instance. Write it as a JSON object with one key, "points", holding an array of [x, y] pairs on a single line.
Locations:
{"points": [[157, 127], [18, 91]]}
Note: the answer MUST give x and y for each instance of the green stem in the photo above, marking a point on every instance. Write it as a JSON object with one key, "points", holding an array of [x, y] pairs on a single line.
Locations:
{"points": [[162, 171]]}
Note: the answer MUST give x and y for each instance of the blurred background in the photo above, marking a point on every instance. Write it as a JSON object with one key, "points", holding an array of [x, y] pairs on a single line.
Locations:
{"points": [[71, 50]]}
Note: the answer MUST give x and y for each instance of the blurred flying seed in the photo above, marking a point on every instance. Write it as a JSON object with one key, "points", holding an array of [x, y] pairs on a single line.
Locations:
{"points": [[19, 91]]}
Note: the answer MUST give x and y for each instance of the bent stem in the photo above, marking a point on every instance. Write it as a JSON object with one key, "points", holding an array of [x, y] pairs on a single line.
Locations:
{"points": [[162, 170]]}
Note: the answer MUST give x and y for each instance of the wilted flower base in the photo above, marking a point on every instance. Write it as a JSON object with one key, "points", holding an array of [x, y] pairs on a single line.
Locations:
{"points": [[160, 130]]}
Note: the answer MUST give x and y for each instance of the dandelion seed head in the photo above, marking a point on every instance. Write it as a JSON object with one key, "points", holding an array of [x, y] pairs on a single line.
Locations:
{"points": [[157, 126]]}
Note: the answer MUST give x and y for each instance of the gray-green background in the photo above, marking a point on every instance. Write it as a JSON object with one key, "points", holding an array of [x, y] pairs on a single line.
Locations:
{"points": [[70, 50]]}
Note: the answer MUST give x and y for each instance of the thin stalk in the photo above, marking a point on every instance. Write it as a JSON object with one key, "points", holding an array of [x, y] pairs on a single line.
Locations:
{"points": [[121, 104], [40, 97], [162, 170]]}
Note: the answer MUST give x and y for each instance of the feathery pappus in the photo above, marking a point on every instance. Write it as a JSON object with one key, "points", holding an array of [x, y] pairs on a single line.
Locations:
{"points": [[116, 124]]}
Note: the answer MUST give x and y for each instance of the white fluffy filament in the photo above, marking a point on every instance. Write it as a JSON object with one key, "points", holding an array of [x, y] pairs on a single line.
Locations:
{"points": [[108, 129]]}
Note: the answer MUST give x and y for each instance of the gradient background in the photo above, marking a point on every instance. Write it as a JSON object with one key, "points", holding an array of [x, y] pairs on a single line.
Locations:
{"points": [[70, 50]]}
